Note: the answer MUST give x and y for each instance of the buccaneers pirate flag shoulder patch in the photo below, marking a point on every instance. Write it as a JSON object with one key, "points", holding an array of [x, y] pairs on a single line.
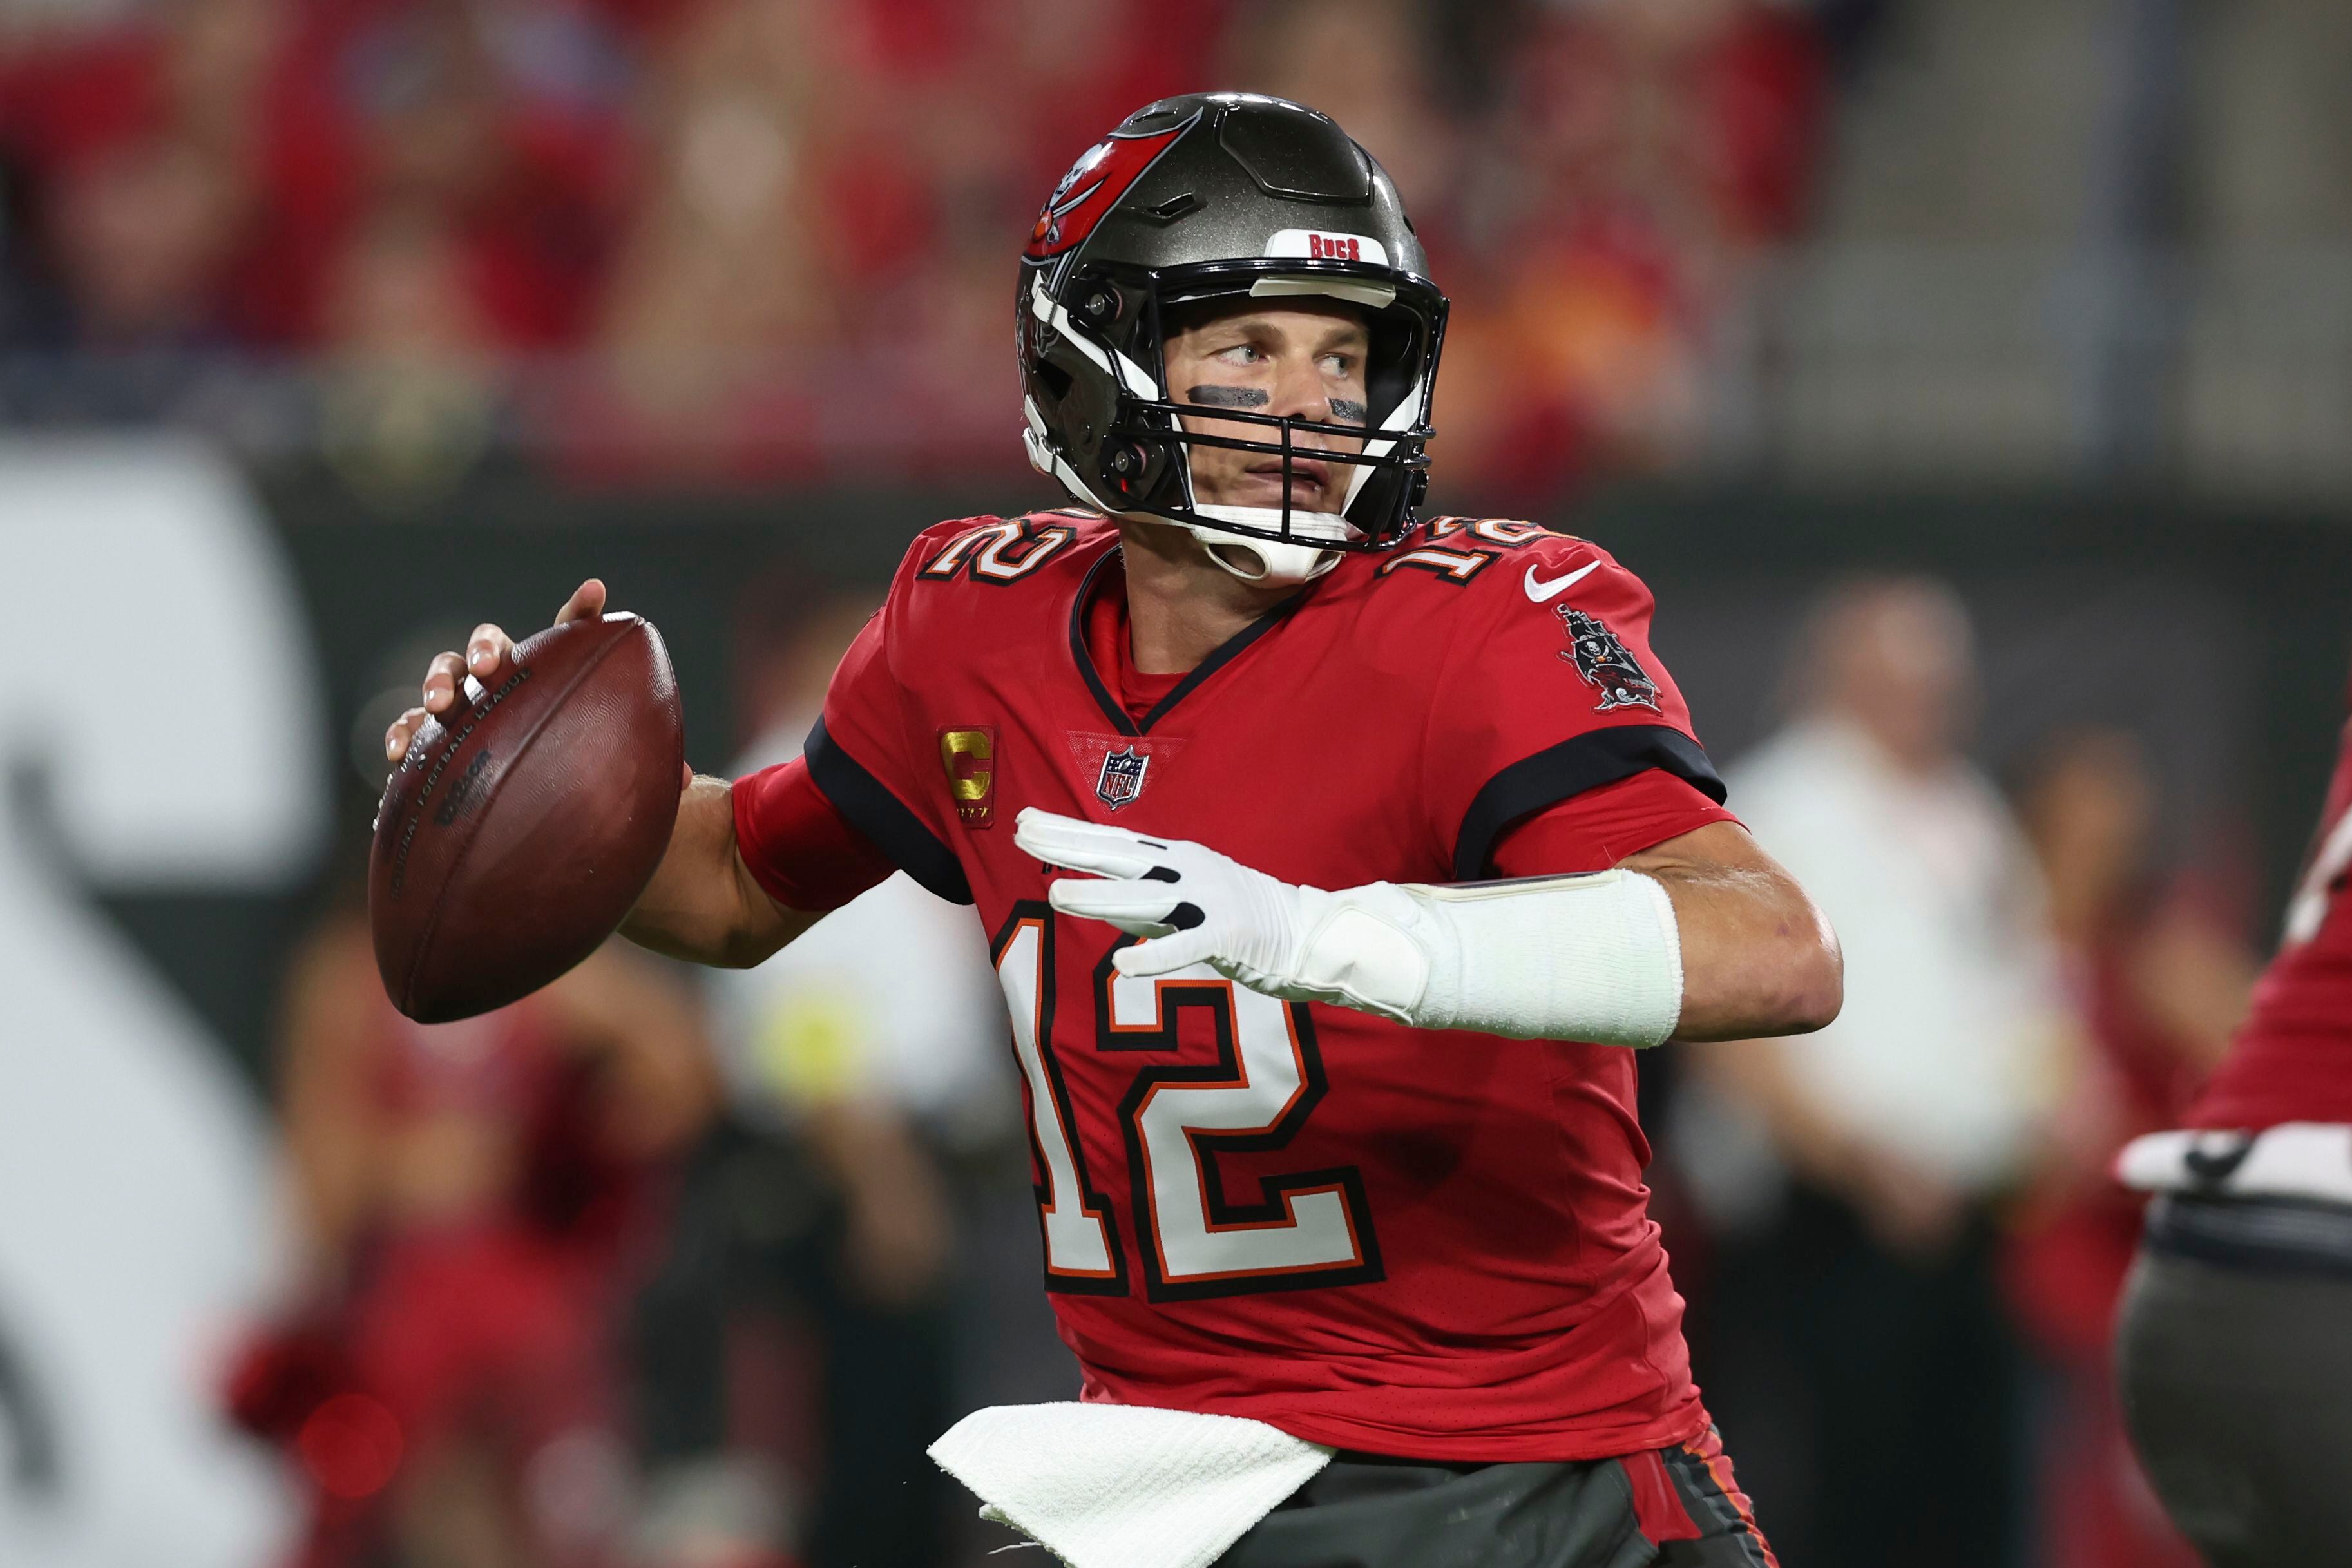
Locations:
{"points": [[1605, 663]]}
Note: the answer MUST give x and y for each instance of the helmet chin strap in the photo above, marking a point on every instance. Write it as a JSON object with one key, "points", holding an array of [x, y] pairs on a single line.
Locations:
{"points": [[1276, 564]]}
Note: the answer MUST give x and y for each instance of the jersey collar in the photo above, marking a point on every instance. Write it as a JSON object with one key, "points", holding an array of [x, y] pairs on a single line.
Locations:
{"points": [[1107, 700]]}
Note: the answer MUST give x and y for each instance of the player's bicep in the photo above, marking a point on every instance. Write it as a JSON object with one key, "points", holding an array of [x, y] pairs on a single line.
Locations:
{"points": [[1719, 872], [1725, 848], [795, 845], [1606, 825]]}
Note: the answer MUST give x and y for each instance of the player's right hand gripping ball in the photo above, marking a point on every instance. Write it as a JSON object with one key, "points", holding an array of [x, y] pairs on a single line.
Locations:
{"points": [[524, 823]]}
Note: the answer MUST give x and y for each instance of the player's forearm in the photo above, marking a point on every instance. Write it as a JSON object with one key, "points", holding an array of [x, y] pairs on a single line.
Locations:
{"points": [[1600, 956], [1759, 958], [1704, 937], [702, 905]]}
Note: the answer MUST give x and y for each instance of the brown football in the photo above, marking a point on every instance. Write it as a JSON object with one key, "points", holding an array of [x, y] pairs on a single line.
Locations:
{"points": [[520, 826]]}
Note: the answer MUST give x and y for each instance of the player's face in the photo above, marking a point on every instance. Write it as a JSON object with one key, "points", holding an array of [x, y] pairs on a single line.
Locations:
{"points": [[1303, 360]]}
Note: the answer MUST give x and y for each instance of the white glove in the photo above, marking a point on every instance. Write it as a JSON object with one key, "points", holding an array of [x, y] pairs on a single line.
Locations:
{"points": [[1594, 957], [1197, 906]]}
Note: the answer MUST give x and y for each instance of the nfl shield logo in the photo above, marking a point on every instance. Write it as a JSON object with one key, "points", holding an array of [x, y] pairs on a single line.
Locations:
{"points": [[1121, 779]]}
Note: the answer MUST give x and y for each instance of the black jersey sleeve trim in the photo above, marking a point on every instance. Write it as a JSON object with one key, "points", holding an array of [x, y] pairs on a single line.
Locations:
{"points": [[1586, 761], [873, 811]]}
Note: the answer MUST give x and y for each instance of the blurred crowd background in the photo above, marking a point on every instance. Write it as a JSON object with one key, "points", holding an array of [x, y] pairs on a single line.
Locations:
{"points": [[1972, 381], [746, 239]]}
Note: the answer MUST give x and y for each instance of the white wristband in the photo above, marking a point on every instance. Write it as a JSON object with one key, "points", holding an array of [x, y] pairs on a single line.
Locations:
{"points": [[1562, 958]]}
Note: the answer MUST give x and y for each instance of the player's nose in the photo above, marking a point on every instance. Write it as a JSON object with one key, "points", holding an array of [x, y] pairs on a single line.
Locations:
{"points": [[1300, 393]]}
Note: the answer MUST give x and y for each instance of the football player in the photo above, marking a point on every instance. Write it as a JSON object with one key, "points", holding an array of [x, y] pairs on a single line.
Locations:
{"points": [[1336, 861], [2235, 1335]]}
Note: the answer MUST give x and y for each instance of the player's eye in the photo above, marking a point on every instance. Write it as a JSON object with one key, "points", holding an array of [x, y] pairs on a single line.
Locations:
{"points": [[1339, 364], [1241, 353]]}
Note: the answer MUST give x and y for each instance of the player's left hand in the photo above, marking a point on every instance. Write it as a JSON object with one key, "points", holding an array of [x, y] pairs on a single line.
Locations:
{"points": [[1196, 905]]}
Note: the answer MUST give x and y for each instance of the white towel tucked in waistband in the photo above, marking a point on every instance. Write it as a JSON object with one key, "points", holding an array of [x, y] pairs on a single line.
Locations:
{"points": [[1122, 1485], [2293, 1160]]}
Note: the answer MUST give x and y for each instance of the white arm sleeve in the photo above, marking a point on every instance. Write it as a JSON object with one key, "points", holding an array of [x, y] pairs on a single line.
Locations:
{"points": [[1594, 957]]}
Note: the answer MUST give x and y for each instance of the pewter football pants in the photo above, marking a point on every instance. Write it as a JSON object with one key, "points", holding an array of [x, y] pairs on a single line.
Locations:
{"points": [[2235, 1353], [1676, 1509]]}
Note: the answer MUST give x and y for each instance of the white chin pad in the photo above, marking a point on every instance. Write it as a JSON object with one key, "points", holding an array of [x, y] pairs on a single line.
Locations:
{"points": [[1264, 561], [1275, 561]]}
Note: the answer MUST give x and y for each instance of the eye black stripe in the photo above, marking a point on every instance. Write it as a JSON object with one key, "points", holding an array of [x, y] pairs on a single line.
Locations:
{"points": [[1213, 396]]}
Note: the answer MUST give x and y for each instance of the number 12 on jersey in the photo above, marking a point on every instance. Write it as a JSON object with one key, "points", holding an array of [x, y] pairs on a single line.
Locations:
{"points": [[1306, 1229]]}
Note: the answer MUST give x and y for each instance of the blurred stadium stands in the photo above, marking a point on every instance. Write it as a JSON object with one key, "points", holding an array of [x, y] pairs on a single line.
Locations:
{"points": [[658, 239]]}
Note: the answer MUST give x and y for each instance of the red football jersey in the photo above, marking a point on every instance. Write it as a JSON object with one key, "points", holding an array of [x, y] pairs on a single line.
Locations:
{"points": [[1421, 1244], [2292, 1060]]}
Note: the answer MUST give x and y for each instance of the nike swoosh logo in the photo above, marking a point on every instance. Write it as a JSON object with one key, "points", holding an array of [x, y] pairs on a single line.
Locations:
{"points": [[1540, 592]]}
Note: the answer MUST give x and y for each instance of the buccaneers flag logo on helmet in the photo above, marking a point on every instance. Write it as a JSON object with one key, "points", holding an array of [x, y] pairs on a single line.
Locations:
{"points": [[1093, 187]]}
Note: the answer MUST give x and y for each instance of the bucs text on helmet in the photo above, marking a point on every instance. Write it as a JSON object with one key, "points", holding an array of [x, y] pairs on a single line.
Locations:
{"points": [[1215, 196]]}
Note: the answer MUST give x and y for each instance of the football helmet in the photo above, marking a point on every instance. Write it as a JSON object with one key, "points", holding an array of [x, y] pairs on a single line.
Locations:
{"points": [[1203, 198]]}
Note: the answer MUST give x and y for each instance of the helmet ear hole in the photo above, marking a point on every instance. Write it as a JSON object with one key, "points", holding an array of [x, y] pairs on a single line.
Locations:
{"points": [[1101, 303], [1129, 467]]}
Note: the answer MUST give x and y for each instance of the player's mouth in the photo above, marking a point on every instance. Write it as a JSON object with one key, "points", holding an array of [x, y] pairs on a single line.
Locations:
{"points": [[1310, 483]]}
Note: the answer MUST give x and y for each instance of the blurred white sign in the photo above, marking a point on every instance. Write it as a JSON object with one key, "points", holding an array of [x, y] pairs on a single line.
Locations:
{"points": [[158, 689]]}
